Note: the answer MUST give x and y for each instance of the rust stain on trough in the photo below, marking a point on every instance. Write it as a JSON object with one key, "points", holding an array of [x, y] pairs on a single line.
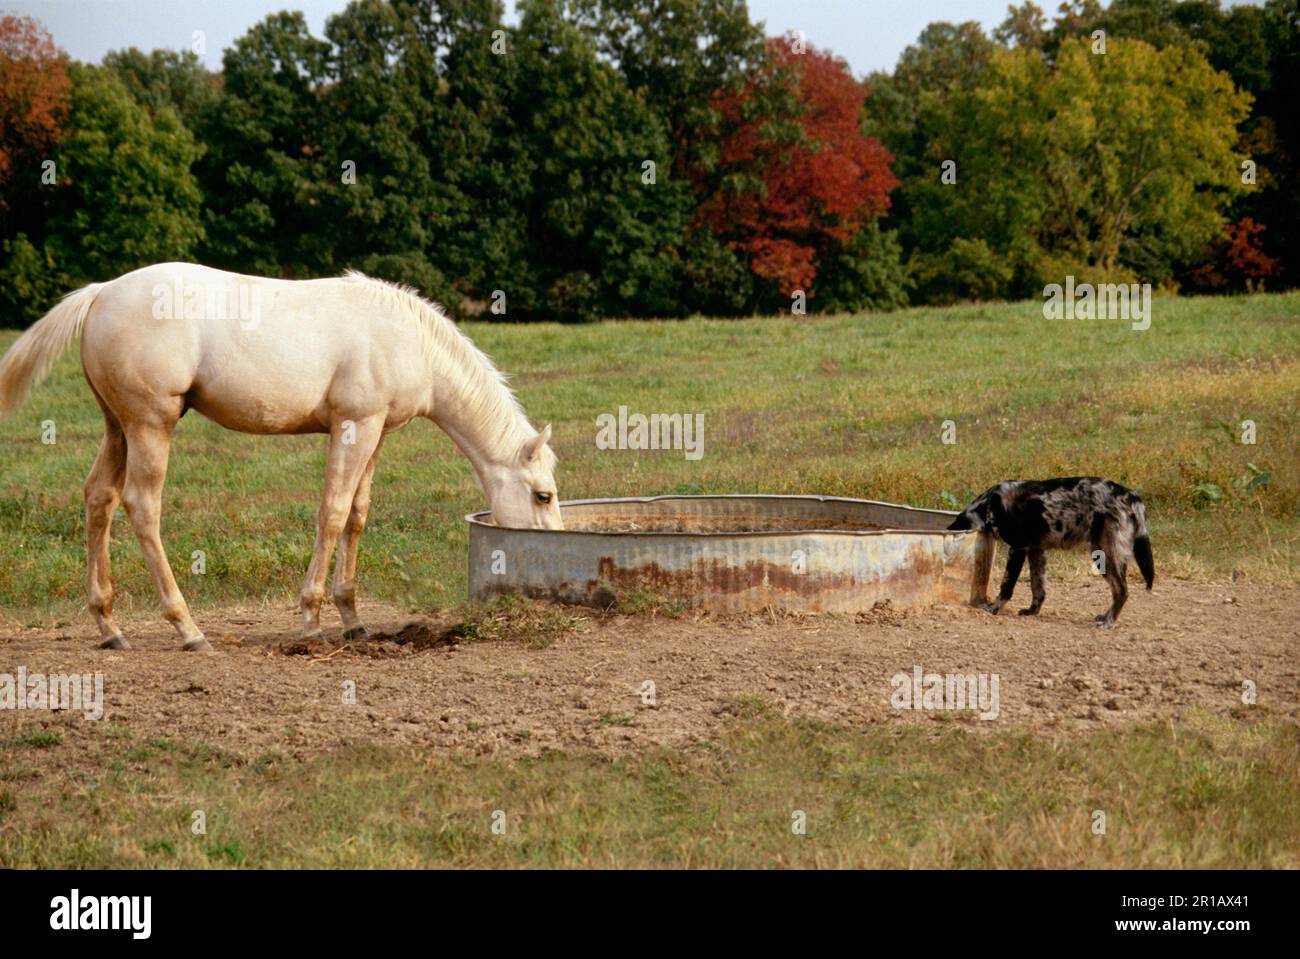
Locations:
{"points": [[713, 576], [810, 553]]}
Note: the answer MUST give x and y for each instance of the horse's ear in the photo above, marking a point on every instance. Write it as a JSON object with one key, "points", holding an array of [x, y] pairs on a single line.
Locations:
{"points": [[533, 447]]}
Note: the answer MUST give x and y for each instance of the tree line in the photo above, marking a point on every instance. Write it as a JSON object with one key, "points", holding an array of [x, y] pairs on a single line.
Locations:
{"points": [[662, 158]]}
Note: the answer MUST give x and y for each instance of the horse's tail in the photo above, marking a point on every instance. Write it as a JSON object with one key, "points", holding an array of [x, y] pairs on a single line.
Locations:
{"points": [[32, 355]]}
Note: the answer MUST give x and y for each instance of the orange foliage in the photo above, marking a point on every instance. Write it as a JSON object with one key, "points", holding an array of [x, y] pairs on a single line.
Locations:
{"points": [[1245, 254], [817, 192], [34, 95]]}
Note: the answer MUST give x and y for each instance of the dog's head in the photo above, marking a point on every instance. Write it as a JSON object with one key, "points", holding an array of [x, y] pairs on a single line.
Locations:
{"points": [[974, 516]]}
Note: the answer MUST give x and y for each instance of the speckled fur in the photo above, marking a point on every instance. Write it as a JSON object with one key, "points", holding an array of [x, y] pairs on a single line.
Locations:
{"points": [[1033, 516]]}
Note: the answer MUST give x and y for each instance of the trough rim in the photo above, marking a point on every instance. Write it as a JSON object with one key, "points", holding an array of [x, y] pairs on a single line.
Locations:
{"points": [[475, 519]]}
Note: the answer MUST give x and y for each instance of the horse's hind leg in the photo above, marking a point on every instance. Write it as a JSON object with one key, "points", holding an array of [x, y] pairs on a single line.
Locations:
{"points": [[345, 563], [103, 491], [147, 450]]}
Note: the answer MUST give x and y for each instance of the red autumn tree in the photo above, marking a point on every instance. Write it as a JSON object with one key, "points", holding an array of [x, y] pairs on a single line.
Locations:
{"points": [[1235, 259], [34, 96], [796, 178], [1245, 252]]}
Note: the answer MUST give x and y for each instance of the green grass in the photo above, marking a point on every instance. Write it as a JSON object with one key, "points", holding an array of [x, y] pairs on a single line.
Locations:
{"points": [[1214, 793], [38, 739], [851, 405]]}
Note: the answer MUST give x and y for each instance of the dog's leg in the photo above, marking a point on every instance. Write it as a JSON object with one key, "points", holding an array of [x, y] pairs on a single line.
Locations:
{"points": [[1114, 572], [1015, 563], [1115, 578], [1037, 581]]}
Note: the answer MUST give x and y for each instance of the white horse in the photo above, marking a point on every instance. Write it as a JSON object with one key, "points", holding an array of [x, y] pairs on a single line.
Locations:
{"points": [[352, 357]]}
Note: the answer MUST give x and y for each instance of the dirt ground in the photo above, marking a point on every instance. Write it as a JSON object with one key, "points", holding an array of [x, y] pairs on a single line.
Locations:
{"points": [[1185, 646]]}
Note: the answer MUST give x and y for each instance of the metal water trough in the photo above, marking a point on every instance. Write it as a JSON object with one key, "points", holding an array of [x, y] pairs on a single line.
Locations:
{"points": [[807, 553]]}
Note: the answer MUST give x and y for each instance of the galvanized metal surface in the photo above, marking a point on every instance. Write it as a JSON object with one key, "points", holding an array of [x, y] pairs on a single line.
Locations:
{"points": [[836, 563]]}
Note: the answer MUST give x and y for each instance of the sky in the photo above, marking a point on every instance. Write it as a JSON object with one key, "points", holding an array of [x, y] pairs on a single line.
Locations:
{"points": [[869, 34]]}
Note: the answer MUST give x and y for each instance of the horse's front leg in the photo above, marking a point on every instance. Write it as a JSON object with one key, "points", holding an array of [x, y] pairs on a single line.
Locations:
{"points": [[345, 563], [352, 445]]}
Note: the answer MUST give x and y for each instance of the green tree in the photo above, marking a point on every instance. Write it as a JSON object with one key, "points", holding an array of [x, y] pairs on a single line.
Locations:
{"points": [[678, 54], [1069, 166], [481, 176], [1025, 27], [266, 175], [126, 195], [167, 78], [912, 112], [1113, 169], [864, 273], [967, 270], [603, 238], [1259, 47], [380, 198]]}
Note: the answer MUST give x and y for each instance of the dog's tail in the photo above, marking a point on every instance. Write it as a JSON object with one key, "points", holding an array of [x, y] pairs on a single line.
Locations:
{"points": [[32, 355], [1142, 542]]}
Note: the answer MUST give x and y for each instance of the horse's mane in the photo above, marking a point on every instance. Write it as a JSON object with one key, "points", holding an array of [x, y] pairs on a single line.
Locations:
{"points": [[469, 371]]}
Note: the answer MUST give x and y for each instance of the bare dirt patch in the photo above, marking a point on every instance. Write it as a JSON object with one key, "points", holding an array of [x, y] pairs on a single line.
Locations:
{"points": [[421, 681]]}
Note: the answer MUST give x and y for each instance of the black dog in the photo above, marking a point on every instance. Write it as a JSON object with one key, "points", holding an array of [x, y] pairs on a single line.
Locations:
{"points": [[1031, 516]]}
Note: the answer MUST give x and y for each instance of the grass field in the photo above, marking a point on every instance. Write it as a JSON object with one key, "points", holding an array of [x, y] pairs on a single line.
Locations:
{"points": [[849, 406], [1211, 796]]}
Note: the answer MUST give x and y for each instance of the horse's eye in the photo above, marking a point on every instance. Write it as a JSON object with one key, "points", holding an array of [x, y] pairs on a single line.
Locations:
{"points": [[543, 497]]}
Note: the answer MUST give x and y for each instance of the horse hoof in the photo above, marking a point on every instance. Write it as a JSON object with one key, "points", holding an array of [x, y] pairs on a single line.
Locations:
{"points": [[357, 632], [199, 645], [115, 642]]}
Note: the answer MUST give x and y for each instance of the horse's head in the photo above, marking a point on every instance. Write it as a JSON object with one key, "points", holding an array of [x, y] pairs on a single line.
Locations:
{"points": [[523, 493]]}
